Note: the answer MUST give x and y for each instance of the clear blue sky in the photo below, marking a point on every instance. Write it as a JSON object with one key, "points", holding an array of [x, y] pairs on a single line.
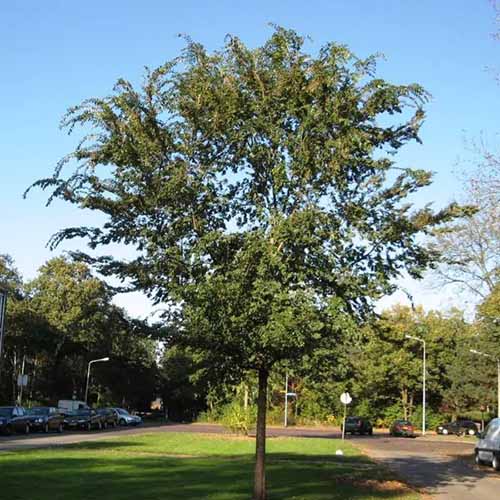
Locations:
{"points": [[56, 53]]}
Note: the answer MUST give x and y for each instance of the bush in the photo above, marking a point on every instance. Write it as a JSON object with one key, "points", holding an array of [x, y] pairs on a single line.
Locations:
{"points": [[208, 417], [432, 418], [238, 419], [390, 413]]}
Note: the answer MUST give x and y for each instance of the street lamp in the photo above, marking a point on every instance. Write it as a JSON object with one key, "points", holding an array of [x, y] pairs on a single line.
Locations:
{"points": [[88, 374], [479, 353], [3, 307], [423, 387]]}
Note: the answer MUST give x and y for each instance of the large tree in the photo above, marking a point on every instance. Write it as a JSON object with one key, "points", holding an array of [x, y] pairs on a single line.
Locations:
{"points": [[260, 191]]}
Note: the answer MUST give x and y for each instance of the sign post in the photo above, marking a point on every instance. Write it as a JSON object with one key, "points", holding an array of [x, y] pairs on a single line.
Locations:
{"points": [[287, 395], [345, 399]]}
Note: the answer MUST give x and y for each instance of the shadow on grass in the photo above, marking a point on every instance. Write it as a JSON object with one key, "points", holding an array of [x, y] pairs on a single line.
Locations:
{"points": [[122, 476]]}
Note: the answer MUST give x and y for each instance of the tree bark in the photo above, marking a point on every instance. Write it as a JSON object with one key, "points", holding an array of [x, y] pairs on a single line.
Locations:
{"points": [[404, 400], [245, 398], [259, 492]]}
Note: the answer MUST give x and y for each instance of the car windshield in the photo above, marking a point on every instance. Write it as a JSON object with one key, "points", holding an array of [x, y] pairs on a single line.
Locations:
{"points": [[38, 411], [121, 411], [352, 419], [5, 412], [403, 422]]}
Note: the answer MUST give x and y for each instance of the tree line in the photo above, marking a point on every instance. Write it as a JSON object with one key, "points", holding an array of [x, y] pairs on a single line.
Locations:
{"points": [[65, 317], [59, 321]]}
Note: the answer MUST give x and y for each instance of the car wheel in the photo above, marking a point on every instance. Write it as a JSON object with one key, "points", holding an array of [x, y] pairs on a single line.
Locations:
{"points": [[370, 432], [471, 432], [27, 429], [105, 425], [8, 430], [477, 460], [445, 432], [89, 426], [122, 421], [60, 428], [496, 463], [46, 428]]}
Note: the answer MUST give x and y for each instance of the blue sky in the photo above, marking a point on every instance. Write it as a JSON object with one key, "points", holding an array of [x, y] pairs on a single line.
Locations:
{"points": [[56, 53]]}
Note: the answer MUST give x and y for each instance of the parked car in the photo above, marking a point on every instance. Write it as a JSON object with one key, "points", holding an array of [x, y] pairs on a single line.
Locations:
{"points": [[402, 428], [459, 428], [487, 450], [14, 419], [84, 418], [45, 418], [109, 416], [125, 418], [360, 425]]}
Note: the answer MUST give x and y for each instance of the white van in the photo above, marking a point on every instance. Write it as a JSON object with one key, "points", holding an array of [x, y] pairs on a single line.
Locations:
{"points": [[487, 449], [71, 404]]}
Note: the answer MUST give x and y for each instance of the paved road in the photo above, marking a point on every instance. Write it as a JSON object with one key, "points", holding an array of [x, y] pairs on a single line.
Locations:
{"points": [[444, 469], [441, 466]]}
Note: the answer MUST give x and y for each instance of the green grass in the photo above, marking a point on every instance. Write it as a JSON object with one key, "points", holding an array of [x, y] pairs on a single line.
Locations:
{"points": [[171, 466]]}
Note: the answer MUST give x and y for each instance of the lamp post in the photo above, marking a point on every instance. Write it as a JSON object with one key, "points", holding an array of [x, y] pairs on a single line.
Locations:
{"points": [[3, 307], [479, 353], [423, 373], [88, 374]]}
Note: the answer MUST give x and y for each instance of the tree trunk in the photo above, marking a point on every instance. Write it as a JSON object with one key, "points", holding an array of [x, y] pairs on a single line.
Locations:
{"points": [[245, 398], [404, 400], [259, 492]]}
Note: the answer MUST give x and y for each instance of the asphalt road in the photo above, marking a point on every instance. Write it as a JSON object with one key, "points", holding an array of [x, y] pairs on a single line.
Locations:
{"points": [[442, 467]]}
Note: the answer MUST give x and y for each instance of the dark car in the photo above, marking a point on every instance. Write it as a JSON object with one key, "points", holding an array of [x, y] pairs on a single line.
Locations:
{"points": [[125, 418], [45, 418], [14, 419], [402, 428], [87, 419], [459, 428], [360, 425], [109, 416]]}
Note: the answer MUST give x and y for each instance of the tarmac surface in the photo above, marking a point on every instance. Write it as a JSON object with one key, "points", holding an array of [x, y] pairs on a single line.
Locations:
{"points": [[441, 467]]}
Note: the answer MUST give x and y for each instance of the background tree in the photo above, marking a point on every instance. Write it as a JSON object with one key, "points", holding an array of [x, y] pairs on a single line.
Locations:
{"points": [[73, 302], [259, 189], [470, 248], [57, 323]]}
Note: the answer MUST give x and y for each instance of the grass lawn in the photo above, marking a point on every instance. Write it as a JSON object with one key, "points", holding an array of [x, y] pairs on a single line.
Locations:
{"points": [[170, 466]]}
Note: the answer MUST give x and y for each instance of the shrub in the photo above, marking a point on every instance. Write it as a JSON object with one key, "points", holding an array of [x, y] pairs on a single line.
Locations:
{"points": [[238, 419], [432, 418]]}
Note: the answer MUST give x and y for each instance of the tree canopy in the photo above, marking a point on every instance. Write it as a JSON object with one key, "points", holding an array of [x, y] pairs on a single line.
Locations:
{"points": [[260, 191]]}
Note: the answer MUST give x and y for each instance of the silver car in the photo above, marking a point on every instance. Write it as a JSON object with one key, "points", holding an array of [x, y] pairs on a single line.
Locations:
{"points": [[487, 449], [125, 418]]}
